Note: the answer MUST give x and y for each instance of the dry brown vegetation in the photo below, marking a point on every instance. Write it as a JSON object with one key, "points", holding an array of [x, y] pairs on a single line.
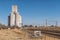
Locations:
{"points": [[19, 34], [23, 34]]}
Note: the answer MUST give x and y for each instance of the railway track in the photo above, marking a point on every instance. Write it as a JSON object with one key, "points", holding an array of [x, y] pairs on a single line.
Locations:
{"points": [[50, 31], [54, 34]]}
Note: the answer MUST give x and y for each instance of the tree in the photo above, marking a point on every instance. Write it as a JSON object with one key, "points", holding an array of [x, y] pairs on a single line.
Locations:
{"points": [[52, 25], [25, 25], [30, 26], [35, 26]]}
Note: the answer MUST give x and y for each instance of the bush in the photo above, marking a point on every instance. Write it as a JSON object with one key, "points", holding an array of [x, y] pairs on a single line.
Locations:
{"points": [[30, 26]]}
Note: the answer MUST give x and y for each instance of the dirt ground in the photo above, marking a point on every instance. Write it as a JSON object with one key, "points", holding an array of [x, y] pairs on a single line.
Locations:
{"points": [[18, 34]]}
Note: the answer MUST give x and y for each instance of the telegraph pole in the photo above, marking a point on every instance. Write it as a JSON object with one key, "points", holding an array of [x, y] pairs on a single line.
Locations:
{"points": [[46, 22], [45, 29], [56, 23]]}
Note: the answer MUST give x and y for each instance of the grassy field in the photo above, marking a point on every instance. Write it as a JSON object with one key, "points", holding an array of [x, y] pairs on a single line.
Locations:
{"points": [[18, 34]]}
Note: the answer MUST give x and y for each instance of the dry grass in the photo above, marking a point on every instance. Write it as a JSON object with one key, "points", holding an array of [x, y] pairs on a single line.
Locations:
{"points": [[18, 34]]}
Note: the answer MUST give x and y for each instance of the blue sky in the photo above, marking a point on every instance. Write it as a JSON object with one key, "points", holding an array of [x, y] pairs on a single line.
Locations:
{"points": [[33, 12]]}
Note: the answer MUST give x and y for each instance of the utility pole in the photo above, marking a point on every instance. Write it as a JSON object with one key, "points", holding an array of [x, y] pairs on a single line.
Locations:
{"points": [[45, 29], [56, 23], [46, 22]]}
